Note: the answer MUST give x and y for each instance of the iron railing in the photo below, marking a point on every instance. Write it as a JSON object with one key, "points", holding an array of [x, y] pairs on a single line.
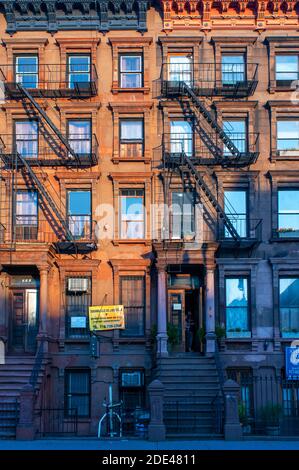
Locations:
{"points": [[51, 80], [47, 150], [207, 148], [54, 422], [9, 415], [269, 405], [247, 228], [210, 79], [38, 362]]}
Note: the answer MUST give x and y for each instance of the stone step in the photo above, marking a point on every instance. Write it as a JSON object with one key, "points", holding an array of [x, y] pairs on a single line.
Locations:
{"points": [[190, 386], [193, 436], [188, 373], [187, 367]]}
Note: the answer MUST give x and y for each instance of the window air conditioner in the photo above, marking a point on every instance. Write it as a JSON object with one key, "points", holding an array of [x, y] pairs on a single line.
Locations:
{"points": [[78, 284], [131, 379]]}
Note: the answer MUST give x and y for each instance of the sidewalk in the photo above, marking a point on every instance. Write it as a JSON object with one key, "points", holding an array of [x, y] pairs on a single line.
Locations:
{"points": [[93, 444]]}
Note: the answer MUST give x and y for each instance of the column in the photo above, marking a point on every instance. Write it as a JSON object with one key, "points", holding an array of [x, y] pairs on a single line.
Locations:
{"points": [[162, 314], [43, 301], [210, 311]]}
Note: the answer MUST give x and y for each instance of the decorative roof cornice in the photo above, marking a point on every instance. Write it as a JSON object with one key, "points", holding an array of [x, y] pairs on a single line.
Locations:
{"points": [[52, 16], [208, 15]]}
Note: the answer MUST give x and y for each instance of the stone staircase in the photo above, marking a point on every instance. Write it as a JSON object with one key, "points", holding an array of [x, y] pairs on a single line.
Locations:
{"points": [[192, 400], [14, 374]]}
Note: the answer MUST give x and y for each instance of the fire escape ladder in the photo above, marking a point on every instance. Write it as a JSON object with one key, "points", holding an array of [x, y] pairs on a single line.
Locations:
{"points": [[64, 141], [227, 141], [210, 196], [46, 196]]}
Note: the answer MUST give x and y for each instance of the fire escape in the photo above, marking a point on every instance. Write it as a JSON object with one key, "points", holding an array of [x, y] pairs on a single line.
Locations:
{"points": [[194, 88], [54, 150]]}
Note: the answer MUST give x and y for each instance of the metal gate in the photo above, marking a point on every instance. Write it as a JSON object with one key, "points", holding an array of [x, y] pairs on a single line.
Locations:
{"points": [[54, 422]]}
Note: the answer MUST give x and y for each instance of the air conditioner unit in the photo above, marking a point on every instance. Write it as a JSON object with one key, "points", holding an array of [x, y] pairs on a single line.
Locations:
{"points": [[77, 284], [132, 379]]}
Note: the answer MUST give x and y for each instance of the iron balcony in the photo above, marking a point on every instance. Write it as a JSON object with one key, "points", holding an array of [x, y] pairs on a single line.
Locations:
{"points": [[207, 149], [249, 231], [209, 79], [51, 81], [48, 150]]}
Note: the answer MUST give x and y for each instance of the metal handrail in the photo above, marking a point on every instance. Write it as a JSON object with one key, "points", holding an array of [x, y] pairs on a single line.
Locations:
{"points": [[37, 365]]}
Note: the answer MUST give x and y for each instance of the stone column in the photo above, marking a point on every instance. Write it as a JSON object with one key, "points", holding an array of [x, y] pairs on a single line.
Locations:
{"points": [[156, 428], [43, 304], [25, 426], [232, 426], [210, 311], [162, 314]]}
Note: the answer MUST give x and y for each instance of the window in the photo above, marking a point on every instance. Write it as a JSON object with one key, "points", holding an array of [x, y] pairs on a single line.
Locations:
{"points": [[289, 306], [78, 71], [26, 70], [131, 138], [130, 71], [77, 392], [288, 213], [236, 129], [132, 394], [287, 136], [244, 378], [79, 136], [132, 213], [132, 296], [181, 138], [286, 69], [79, 214], [26, 138], [26, 215], [180, 68], [235, 207], [182, 215], [78, 299], [236, 307], [233, 69]]}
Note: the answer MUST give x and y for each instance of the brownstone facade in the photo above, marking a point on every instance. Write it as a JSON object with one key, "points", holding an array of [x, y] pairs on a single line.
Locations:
{"points": [[88, 247]]}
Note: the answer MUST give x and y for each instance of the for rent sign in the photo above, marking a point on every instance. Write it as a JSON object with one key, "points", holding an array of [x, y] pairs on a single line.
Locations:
{"points": [[106, 317], [292, 362]]}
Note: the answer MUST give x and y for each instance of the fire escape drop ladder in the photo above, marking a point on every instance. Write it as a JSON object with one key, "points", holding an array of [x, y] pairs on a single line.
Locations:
{"points": [[64, 141]]}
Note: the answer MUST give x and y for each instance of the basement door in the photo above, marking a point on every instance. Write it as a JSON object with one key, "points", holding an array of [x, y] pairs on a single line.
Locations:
{"points": [[24, 320]]}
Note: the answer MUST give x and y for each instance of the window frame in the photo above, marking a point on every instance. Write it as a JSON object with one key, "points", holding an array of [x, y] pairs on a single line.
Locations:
{"points": [[244, 64], [69, 216], [247, 214], [67, 393], [128, 142], [182, 214], [286, 83], [131, 277], [89, 120], [68, 316], [69, 73], [121, 195], [290, 333], [121, 72], [15, 140], [34, 227], [15, 65], [248, 333], [279, 190], [287, 152], [226, 151]]}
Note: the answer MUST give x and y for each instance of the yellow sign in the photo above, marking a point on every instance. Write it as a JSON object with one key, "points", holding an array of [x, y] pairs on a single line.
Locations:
{"points": [[107, 317]]}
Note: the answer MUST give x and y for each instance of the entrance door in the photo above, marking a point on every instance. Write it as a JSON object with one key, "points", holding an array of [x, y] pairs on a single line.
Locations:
{"points": [[176, 312], [24, 320]]}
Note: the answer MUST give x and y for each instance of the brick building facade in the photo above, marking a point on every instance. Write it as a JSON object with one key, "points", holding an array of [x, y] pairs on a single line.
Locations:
{"points": [[113, 113]]}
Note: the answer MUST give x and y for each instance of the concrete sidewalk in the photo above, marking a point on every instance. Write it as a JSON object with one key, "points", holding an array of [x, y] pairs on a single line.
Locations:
{"points": [[93, 444]]}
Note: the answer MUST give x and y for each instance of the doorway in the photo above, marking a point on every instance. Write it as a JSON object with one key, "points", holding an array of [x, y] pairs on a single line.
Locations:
{"points": [[185, 317], [24, 320]]}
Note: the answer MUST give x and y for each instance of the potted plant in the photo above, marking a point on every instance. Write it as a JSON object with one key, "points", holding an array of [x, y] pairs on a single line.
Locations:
{"points": [[153, 334], [220, 332], [200, 337], [173, 335], [243, 417], [270, 415]]}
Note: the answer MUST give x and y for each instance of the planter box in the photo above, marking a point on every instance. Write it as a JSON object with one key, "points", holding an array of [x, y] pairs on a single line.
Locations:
{"points": [[238, 334]]}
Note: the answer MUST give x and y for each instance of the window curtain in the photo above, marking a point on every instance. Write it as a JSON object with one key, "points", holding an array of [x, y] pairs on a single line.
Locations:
{"points": [[131, 130], [80, 136], [26, 208], [26, 133], [181, 137]]}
